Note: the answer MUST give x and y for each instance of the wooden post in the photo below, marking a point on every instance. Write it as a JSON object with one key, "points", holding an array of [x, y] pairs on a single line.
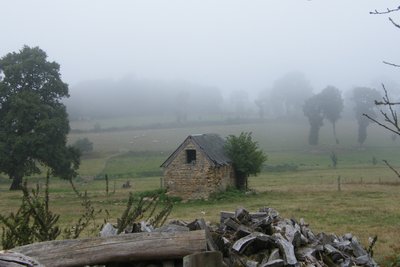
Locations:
{"points": [[202, 259], [338, 184], [121, 248]]}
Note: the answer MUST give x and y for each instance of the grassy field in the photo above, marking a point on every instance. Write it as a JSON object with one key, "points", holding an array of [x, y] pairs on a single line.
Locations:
{"points": [[367, 205]]}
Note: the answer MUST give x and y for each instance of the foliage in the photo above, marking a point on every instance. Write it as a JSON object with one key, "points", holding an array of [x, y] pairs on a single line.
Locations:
{"points": [[364, 99], [84, 145], [87, 217], [290, 92], [33, 222], [33, 120], [332, 106], [327, 104], [334, 159], [246, 156], [144, 208], [231, 193], [313, 111]]}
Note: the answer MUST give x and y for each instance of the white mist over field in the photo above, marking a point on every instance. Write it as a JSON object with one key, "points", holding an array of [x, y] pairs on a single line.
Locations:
{"points": [[233, 45]]}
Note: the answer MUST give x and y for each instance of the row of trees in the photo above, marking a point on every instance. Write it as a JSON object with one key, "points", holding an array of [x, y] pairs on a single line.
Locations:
{"points": [[328, 104]]}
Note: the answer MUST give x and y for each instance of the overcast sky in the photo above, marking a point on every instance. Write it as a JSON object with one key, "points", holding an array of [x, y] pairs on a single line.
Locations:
{"points": [[234, 45]]}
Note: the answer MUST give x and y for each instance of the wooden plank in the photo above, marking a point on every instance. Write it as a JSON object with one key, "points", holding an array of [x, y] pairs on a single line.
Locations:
{"points": [[122, 248]]}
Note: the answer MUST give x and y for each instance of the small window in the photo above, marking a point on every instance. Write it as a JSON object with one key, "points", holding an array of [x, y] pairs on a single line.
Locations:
{"points": [[190, 156]]}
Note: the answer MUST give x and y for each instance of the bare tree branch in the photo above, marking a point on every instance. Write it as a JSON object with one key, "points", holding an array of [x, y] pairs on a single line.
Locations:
{"points": [[380, 124], [393, 169], [394, 23], [376, 12], [391, 119], [391, 64], [387, 11]]}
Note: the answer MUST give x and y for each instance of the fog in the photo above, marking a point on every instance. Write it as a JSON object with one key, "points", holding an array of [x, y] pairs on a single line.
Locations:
{"points": [[228, 45]]}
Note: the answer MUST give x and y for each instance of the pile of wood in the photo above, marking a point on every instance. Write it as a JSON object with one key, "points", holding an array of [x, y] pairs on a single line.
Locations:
{"points": [[260, 239], [264, 239]]}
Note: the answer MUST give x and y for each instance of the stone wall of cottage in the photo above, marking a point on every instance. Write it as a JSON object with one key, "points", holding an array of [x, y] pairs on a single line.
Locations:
{"points": [[195, 180]]}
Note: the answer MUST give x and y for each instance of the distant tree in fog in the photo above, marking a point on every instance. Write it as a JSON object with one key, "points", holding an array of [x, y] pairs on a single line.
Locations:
{"points": [[182, 106], [312, 109], [364, 99], [239, 100], [289, 93], [84, 145], [332, 106], [327, 104], [132, 97], [263, 103]]}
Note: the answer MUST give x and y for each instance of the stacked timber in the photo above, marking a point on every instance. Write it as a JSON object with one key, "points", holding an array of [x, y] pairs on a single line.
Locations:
{"points": [[260, 239], [264, 239]]}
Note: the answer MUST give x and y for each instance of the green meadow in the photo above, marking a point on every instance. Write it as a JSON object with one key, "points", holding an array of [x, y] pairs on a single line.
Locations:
{"points": [[298, 180]]}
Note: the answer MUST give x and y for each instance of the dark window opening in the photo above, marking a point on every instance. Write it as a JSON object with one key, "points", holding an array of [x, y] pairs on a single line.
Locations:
{"points": [[190, 156]]}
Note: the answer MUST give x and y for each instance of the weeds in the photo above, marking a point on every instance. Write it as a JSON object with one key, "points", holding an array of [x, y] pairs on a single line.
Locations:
{"points": [[33, 222], [151, 207], [87, 218]]}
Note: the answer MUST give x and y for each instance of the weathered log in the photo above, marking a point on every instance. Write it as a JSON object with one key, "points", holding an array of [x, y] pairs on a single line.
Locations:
{"points": [[286, 249], [14, 259], [122, 248], [241, 244]]}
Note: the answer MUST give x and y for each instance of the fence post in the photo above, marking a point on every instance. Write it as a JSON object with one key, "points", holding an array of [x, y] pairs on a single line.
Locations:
{"points": [[338, 183]]}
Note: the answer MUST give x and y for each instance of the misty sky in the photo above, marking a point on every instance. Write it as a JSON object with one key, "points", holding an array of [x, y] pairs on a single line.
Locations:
{"points": [[230, 44]]}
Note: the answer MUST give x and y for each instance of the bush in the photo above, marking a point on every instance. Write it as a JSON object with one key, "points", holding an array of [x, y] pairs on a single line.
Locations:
{"points": [[84, 145]]}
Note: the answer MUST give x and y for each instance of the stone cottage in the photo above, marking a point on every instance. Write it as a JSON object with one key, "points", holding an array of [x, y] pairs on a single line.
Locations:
{"points": [[198, 167]]}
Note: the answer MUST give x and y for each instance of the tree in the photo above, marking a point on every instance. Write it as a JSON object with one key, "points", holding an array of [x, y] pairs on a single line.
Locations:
{"points": [[246, 157], [84, 145], [364, 99], [33, 121], [332, 105], [290, 91], [312, 109]]}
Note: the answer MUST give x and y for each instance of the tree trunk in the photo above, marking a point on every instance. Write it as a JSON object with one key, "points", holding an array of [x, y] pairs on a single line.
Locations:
{"points": [[16, 182], [241, 181], [334, 132], [314, 134]]}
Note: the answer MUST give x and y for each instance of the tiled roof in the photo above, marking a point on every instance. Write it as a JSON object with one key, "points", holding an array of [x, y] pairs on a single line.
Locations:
{"points": [[211, 144]]}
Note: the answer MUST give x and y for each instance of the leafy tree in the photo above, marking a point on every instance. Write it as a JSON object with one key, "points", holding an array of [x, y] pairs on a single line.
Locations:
{"points": [[246, 157], [84, 145], [364, 99], [313, 111], [332, 105], [33, 121]]}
